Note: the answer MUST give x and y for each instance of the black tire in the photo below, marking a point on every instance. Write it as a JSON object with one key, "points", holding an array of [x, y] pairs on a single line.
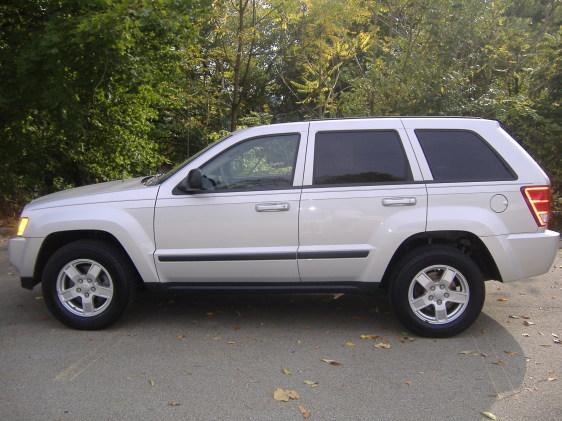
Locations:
{"points": [[423, 258], [113, 261]]}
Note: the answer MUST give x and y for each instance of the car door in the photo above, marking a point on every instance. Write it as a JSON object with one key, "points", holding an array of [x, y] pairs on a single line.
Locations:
{"points": [[363, 194], [244, 227]]}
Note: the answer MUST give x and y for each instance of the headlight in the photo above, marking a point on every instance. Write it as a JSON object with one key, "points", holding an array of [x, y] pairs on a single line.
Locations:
{"points": [[22, 226]]}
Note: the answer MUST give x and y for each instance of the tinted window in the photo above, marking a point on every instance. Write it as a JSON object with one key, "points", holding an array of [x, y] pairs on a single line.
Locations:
{"points": [[461, 155], [257, 164], [360, 157]]}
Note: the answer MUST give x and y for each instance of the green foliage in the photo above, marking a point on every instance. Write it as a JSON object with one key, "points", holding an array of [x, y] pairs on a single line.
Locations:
{"points": [[103, 89]]}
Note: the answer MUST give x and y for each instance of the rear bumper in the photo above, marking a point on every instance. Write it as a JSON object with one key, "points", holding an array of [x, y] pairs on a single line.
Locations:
{"points": [[520, 256]]}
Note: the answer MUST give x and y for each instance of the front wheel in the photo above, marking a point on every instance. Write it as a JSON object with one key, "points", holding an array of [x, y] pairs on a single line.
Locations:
{"points": [[88, 284], [438, 291]]}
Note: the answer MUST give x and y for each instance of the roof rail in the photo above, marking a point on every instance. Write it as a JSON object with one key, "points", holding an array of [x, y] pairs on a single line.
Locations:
{"points": [[394, 116]]}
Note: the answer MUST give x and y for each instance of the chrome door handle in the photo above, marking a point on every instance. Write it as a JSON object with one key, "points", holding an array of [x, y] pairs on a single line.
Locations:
{"points": [[399, 201], [272, 207]]}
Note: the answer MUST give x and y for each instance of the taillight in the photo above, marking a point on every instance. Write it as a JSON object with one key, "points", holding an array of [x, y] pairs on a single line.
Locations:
{"points": [[538, 200]]}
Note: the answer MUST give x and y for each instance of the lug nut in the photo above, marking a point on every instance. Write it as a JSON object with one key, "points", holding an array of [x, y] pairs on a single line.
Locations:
{"points": [[86, 295], [442, 286], [80, 281], [433, 288], [78, 290], [431, 297], [439, 301], [93, 289], [446, 295], [89, 281]]}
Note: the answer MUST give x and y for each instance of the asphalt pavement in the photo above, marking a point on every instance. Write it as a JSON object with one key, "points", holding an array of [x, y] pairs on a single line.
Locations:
{"points": [[221, 357]]}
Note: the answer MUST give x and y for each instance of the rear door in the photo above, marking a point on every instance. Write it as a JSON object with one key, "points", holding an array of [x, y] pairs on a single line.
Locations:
{"points": [[362, 195]]}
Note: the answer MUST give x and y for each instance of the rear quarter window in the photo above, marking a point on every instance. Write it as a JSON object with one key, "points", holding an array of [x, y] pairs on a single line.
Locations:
{"points": [[462, 155], [359, 158]]}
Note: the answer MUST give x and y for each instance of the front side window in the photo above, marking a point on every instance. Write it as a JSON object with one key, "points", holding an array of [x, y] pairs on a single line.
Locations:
{"points": [[461, 155], [261, 163], [359, 157]]}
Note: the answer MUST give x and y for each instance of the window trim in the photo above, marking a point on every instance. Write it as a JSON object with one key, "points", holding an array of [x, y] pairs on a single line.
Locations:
{"points": [[177, 192], [514, 175], [376, 183]]}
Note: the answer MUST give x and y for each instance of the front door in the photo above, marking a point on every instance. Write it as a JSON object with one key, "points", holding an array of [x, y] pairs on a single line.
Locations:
{"points": [[244, 228]]}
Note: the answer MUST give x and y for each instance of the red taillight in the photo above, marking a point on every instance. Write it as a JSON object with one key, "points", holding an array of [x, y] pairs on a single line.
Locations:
{"points": [[538, 200]]}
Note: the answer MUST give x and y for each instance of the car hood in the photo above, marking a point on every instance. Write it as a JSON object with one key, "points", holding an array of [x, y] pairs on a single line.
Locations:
{"points": [[111, 191]]}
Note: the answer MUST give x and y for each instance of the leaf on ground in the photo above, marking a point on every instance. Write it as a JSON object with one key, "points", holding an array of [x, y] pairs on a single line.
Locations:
{"points": [[284, 395], [525, 335], [311, 383], [180, 337], [511, 353], [528, 323], [286, 371], [405, 338], [552, 379], [556, 341], [173, 403], [489, 415], [503, 299], [367, 337], [151, 382], [526, 317], [408, 382], [231, 342], [499, 362], [383, 345], [349, 344], [554, 335], [304, 412], [39, 297], [337, 296], [331, 362], [513, 316], [472, 353]]}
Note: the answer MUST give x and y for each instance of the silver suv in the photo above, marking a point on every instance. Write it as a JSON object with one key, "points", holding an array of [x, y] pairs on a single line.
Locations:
{"points": [[428, 208]]}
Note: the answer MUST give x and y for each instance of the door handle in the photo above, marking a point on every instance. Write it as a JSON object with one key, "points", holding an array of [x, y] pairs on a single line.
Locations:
{"points": [[399, 201], [272, 207]]}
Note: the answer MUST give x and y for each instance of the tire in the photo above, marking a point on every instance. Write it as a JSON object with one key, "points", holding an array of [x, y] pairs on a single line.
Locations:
{"points": [[438, 291], [88, 284]]}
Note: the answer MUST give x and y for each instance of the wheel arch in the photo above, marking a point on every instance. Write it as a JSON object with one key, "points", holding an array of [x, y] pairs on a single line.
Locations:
{"points": [[56, 240], [467, 242]]}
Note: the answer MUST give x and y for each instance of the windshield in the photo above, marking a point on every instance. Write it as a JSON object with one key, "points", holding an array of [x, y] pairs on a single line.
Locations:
{"points": [[160, 178]]}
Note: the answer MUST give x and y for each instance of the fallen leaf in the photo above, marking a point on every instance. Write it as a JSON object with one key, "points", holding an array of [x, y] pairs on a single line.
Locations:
{"points": [[337, 296], [502, 299], [383, 345], [173, 403], [406, 338], [286, 371], [499, 362], [311, 383], [554, 335], [551, 379], [39, 297], [331, 362], [366, 337], [305, 412], [528, 323], [284, 395], [408, 382], [489, 415], [526, 317], [472, 353], [231, 342], [180, 337], [151, 382], [525, 335], [511, 353], [513, 316], [349, 344], [556, 341]]}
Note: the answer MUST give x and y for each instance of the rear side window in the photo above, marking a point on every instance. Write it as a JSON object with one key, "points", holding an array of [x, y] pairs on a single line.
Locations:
{"points": [[461, 155], [359, 157]]}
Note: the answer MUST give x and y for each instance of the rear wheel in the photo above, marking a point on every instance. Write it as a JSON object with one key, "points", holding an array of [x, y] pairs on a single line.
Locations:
{"points": [[88, 284], [438, 291]]}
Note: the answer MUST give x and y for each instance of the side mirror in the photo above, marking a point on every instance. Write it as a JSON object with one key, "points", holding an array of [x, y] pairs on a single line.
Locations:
{"points": [[195, 180], [193, 183]]}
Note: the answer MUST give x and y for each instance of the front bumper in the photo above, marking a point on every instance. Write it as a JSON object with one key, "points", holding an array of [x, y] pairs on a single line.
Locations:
{"points": [[520, 256], [23, 252]]}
